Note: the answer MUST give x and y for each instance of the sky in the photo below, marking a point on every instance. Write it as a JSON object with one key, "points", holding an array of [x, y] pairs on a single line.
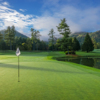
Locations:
{"points": [[43, 15]]}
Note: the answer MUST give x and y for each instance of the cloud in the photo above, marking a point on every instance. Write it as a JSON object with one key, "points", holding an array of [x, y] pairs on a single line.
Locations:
{"points": [[5, 4], [23, 10], [45, 24], [9, 17], [80, 19], [77, 19]]}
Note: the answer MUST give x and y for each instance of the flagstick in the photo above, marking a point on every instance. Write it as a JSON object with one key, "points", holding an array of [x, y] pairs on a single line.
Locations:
{"points": [[18, 53], [18, 69]]}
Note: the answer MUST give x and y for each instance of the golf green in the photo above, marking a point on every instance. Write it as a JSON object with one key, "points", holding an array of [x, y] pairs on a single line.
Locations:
{"points": [[42, 78]]}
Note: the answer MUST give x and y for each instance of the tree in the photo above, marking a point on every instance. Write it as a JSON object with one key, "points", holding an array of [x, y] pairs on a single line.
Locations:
{"points": [[76, 44], [87, 44], [24, 46], [94, 42], [10, 35], [67, 44], [29, 44], [58, 44], [43, 45], [98, 45], [51, 38], [34, 36], [64, 30], [2, 45], [13, 32], [1, 36], [18, 41]]}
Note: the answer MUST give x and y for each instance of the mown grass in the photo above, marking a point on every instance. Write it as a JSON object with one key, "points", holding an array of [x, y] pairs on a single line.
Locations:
{"points": [[95, 53], [44, 79], [55, 55]]}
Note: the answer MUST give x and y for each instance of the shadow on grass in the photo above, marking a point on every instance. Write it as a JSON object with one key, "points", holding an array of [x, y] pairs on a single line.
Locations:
{"points": [[39, 69]]}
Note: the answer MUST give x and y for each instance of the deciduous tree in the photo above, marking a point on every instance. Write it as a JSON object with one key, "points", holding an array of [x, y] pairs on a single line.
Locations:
{"points": [[29, 44], [34, 36]]}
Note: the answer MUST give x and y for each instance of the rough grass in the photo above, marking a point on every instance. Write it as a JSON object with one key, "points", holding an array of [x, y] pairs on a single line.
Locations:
{"points": [[44, 79]]}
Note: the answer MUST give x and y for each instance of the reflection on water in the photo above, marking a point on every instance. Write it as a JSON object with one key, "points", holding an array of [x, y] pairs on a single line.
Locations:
{"points": [[92, 62]]}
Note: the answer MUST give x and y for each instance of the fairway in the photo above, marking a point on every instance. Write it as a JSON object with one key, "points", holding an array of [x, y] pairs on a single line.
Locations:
{"points": [[42, 78]]}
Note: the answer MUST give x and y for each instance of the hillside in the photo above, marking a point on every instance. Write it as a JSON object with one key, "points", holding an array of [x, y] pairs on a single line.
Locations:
{"points": [[81, 35], [18, 34]]}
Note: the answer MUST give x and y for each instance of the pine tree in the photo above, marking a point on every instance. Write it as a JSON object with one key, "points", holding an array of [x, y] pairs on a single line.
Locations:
{"points": [[10, 35], [76, 44], [87, 45], [64, 30]]}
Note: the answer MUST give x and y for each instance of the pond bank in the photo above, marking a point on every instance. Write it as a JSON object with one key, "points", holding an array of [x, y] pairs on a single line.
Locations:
{"points": [[91, 59]]}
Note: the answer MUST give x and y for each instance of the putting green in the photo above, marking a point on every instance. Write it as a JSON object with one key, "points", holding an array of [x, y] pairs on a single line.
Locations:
{"points": [[45, 79]]}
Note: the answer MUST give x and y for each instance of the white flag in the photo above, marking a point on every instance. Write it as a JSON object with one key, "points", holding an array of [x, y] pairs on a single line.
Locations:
{"points": [[17, 52]]}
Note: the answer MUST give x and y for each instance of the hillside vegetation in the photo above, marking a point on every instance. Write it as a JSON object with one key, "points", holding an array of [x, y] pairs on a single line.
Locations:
{"points": [[95, 36]]}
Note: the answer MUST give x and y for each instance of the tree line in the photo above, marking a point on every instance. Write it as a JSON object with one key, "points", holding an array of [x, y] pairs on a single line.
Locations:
{"points": [[68, 44], [65, 43], [9, 41]]}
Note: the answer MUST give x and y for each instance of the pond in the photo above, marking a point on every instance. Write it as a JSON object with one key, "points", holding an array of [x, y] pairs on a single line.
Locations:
{"points": [[88, 61]]}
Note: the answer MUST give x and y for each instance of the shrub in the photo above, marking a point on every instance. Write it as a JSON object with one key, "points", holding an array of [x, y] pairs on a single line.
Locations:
{"points": [[70, 52]]}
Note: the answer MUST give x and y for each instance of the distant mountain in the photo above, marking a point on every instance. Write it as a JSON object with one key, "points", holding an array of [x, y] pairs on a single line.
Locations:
{"points": [[81, 35], [18, 34]]}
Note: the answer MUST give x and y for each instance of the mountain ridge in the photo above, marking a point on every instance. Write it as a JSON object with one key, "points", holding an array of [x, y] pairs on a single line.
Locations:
{"points": [[81, 35], [18, 34]]}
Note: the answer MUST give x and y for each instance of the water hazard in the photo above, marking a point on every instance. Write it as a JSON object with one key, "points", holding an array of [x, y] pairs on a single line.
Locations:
{"points": [[88, 61]]}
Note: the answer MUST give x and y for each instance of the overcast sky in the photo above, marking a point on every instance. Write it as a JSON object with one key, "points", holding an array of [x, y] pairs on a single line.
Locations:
{"points": [[42, 15]]}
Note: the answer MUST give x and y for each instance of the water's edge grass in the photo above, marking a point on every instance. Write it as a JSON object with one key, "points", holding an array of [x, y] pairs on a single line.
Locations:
{"points": [[55, 55]]}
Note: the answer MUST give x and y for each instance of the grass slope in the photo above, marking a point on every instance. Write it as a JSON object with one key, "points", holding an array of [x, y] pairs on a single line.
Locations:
{"points": [[44, 79]]}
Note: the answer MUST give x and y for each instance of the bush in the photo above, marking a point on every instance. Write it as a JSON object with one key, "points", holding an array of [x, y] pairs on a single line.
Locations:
{"points": [[70, 52]]}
